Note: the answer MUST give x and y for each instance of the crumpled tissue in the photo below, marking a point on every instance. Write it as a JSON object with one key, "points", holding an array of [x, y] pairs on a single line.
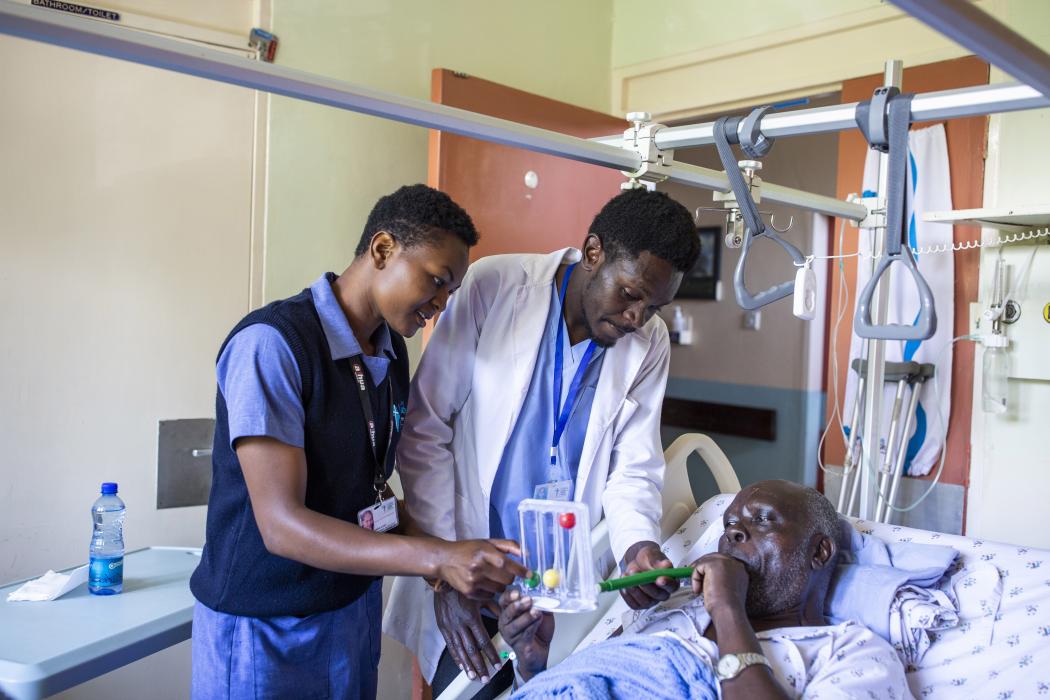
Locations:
{"points": [[49, 586]]}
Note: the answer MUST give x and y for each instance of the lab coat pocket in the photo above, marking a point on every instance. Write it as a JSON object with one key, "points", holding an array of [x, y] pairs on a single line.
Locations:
{"points": [[627, 411]]}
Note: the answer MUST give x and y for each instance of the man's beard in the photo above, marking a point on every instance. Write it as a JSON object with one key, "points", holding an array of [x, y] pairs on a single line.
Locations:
{"points": [[594, 336], [777, 591]]}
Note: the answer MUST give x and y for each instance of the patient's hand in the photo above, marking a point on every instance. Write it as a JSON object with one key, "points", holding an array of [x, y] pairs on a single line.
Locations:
{"points": [[643, 556], [526, 630], [722, 580]]}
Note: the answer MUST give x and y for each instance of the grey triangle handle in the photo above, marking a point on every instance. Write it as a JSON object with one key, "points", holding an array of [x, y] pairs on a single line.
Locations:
{"points": [[926, 323], [725, 133], [893, 112], [744, 297]]}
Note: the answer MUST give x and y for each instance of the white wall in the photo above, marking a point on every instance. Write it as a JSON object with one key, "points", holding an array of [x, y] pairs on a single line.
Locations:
{"points": [[328, 167], [1010, 472], [682, 26], [696, 57], [124, 246]]}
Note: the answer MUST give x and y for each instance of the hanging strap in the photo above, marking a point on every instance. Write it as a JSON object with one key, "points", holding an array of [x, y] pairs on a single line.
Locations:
{"points": [[893, 137], [726, 133]]}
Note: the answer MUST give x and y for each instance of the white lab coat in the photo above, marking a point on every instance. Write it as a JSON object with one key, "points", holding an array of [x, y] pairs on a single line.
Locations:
{"points": [[465, 399]]}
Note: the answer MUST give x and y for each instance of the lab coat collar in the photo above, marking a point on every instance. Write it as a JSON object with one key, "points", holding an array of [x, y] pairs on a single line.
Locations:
{"points": [[622, 361]]}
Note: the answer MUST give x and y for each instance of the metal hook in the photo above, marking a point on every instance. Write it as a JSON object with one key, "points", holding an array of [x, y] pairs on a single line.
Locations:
{"points": [[717, 210], [772, 223]]}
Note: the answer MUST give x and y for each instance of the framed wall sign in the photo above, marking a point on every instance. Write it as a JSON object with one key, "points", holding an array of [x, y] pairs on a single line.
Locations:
{"points": [[702, 282]]}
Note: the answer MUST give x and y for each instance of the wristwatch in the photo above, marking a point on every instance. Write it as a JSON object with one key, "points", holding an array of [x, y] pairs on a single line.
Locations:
{"points": [[730, 665]]}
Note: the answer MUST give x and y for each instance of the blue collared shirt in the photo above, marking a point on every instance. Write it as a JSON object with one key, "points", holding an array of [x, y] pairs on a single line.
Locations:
{"points": [[259, 377], [526, 458]]}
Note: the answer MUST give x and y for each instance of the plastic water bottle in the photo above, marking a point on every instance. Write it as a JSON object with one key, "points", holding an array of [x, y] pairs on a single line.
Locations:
{"points": [[106, 556]]}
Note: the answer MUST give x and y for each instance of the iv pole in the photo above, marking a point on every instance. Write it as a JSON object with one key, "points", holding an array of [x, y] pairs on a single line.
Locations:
{"points": [[871, 437]]}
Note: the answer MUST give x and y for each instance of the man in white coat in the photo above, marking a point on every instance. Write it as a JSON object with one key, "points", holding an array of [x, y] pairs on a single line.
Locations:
{"points": [[544, 377]]}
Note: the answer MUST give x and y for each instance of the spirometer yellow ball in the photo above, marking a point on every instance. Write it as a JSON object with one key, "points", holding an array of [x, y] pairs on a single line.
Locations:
{"points": [[551, 577]]}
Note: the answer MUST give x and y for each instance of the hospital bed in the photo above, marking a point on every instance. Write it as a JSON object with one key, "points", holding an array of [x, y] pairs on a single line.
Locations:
{"points": [[1000, 649]]}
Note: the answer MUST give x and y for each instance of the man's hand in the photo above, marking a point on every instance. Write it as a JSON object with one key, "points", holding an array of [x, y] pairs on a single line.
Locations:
{"points": [[459, 620], [643, 556], [723, 581], [480, 569], [527, 631]]}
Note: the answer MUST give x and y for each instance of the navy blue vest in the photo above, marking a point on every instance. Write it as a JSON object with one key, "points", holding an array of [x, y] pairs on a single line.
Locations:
{"points": [[236, 574]]}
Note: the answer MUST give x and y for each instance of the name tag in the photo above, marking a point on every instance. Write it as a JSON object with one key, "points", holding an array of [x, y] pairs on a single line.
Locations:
{"points": [[382, 517], [554, 490]]}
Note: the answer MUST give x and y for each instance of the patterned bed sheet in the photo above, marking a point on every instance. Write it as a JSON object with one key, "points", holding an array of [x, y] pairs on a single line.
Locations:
{"points": [[1000, 649]]}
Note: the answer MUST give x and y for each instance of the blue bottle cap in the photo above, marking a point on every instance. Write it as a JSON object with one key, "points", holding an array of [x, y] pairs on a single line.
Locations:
{"points": [[109, 488]]}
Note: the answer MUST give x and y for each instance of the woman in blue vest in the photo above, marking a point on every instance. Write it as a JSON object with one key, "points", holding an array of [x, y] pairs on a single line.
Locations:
{"points": [[301, 524]]}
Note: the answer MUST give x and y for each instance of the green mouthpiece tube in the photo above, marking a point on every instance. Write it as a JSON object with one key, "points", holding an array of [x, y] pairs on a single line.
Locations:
{"points": [[615, 584]]}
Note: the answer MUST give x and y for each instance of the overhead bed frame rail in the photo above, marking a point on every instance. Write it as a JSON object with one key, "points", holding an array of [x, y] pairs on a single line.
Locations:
{"points": [[102, 38], [107, 39]]}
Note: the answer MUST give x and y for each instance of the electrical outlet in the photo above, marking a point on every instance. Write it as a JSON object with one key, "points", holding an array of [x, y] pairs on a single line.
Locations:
{"points": [[752, 320]]}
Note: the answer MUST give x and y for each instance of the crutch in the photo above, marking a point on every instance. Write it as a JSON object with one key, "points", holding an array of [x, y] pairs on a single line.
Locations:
{"points": [[903, 374], [925, 372], [849, 464]]}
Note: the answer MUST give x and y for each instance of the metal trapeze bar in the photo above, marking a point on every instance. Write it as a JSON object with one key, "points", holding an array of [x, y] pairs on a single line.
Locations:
{"points": [[972, 28], [717, 180], [106, 39], [930, 106]]}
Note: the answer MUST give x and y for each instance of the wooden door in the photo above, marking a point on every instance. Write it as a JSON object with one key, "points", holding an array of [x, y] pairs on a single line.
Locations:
{"points": [[489, 180]]}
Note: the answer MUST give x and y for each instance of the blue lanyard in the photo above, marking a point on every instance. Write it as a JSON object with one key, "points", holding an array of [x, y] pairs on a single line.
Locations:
{"points": [[561, 412]]}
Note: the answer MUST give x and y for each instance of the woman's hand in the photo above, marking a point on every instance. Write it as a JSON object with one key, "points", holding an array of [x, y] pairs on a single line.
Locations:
{"points": [[480, 569]]}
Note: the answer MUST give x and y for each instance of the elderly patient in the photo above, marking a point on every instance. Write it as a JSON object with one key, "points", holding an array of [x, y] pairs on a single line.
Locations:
{"points": [[752, 621]]}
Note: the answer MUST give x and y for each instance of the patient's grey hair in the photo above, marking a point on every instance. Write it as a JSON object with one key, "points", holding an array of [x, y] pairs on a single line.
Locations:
{"points": [[824, 519]]}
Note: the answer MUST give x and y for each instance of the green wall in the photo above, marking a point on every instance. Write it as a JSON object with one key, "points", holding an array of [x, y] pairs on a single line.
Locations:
{"points": [[327, 167], [646, 31]]}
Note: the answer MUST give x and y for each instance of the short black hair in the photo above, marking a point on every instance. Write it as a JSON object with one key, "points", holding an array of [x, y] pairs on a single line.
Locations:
{"points": [[413, 215], [637, 220]]}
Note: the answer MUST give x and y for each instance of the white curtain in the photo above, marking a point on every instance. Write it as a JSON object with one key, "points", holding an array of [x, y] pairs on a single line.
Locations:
{"points": [[928, 190]]}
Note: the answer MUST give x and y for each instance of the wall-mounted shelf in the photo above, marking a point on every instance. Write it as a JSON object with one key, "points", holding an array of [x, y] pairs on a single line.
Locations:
{"points": [[1004, 219]]}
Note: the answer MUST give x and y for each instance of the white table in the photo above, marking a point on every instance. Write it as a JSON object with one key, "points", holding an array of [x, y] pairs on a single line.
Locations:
{"points": [[47, 647]]}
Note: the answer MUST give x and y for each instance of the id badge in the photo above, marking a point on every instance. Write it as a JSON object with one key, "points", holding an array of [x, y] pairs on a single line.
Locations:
{"points": [[554, 490], [381, 517]]}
